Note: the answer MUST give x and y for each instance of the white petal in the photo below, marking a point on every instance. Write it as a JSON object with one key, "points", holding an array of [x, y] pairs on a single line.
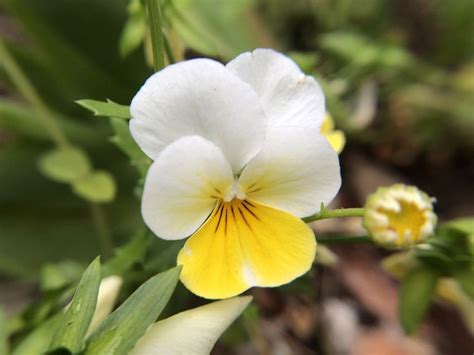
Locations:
{"points": [[192, 332], [289, 97], [199, 97], [106, 299], [296, 171], [183, 185]]}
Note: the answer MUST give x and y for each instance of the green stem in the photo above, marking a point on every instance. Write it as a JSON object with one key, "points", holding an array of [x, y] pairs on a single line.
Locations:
{"points": [[343, 239], [169, 51], [28, 91], [155, 23], [338, 213], [102, 229]]}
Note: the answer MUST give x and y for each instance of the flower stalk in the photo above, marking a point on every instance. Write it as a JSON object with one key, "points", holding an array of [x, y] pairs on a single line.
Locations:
{"points": [[102, 229], [157, 43], [337, 213], [344, 239]]}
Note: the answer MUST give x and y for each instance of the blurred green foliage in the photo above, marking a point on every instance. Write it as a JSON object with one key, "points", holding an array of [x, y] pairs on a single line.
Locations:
{"points": [[65, 60], [448, 255]]}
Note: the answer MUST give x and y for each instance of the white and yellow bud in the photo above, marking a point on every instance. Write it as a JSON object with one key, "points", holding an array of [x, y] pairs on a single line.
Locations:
{"points": [[106, 299], [399, 216], [191, 332]]}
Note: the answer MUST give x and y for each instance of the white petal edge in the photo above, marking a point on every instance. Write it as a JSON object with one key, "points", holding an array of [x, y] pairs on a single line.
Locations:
{"points": [[183, 185], [289, 97], [199, 97], [192, 332], [108, 292], [296, 171]]}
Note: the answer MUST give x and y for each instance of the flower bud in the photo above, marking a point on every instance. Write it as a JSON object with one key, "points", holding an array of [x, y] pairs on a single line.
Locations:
{"points": [[399, 216]]}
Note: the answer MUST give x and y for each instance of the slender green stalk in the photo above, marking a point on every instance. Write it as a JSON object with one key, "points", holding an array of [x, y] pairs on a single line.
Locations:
{"points": [[28, 91], [338, 213], [100, 222], [344, 239], [169, 51], [155, 23]]}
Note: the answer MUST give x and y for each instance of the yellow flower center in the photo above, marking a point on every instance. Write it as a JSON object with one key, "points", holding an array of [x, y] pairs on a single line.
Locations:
{"points": [[407, 222]]}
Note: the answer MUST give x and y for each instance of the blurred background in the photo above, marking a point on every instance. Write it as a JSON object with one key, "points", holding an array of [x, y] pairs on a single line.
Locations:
{"points": [[399, 81]]}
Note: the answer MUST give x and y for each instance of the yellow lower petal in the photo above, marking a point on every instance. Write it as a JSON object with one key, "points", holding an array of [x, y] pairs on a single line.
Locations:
{"points": [[245, 244]]}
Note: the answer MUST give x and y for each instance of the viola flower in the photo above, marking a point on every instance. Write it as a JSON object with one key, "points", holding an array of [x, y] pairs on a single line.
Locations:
{"points": [[336, 137], [238, 161], [399, 216]]}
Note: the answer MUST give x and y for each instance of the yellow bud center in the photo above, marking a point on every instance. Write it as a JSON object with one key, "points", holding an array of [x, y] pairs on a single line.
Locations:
{"points": [[407, 222]]}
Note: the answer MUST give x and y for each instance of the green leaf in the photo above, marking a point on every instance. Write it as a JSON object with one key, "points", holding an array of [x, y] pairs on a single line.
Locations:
{"points": [[124, 141], [135, 28], [76, 320], [465, 225], [122, 329], [56, 276], [3, 332], [65, 164], [106, 109], [466, 280], [99, 186], [128, 255], [38, 340], [415, 296], [449, 250]]}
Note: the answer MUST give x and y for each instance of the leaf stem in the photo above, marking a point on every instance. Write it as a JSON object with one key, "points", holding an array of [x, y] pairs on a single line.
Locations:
{"points": [[337, 213], [28, 91], [102, 229], [344, 239], [155, 23]]}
